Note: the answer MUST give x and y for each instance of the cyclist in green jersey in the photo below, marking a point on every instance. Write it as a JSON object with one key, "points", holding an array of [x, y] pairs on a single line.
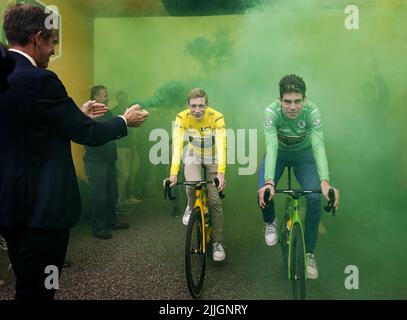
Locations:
{"points": [[294, 137]]}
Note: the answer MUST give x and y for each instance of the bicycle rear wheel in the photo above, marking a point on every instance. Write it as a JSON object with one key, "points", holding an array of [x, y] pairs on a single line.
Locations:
{"points": [[195, 259], [297, 263]]}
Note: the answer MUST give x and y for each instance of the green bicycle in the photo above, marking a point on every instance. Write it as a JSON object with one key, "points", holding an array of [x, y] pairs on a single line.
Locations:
{"points": [[291, 235], [198, 236]]}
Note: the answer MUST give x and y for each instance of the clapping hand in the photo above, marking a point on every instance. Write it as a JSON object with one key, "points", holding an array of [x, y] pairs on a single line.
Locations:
{"points": [[94, 109], [135, 116]]}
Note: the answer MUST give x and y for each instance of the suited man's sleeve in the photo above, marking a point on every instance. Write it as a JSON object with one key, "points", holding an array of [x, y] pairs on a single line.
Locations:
{"points": [[55, 106]]}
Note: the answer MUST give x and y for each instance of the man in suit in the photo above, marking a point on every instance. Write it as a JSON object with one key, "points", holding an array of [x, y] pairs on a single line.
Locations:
{"points": [[39, 196]]}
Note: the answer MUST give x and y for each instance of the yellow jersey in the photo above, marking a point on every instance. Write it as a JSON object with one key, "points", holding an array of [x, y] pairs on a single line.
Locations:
{"points": [[207, 137]]}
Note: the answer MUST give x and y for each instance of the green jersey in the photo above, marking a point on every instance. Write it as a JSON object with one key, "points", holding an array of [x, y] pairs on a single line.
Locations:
{"points": [[286, 134]]}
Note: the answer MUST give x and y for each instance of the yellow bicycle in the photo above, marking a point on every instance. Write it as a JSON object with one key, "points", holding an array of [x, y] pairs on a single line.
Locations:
{"points": [[198, 234]]}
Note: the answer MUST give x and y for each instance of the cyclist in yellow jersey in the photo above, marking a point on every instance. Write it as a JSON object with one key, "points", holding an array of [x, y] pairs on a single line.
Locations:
{"points": [[204, 128]]}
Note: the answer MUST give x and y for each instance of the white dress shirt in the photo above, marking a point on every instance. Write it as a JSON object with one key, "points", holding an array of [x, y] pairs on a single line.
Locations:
{"points": [[25, 55]]}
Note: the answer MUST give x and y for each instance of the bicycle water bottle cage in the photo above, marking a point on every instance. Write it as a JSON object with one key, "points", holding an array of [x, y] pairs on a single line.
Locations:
{"points": [[207, 219]]}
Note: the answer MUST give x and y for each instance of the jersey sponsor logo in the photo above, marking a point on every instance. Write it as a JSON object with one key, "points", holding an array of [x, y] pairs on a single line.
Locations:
{"points": [[316, 122], [269, 123], [289, 141], [206, 129], [301, 124], [206, 142]]}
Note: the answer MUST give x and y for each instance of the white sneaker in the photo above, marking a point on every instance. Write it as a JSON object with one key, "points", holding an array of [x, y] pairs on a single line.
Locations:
{"points": [[218, 252], [186, 216], [270, 234], [312, 268]]}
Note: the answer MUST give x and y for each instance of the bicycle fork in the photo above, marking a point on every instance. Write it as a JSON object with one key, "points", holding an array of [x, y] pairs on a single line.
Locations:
{"points": [[292, 209]]}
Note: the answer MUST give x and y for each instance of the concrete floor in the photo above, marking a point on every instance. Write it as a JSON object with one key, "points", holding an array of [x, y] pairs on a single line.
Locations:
{"points": [[147, 262]]}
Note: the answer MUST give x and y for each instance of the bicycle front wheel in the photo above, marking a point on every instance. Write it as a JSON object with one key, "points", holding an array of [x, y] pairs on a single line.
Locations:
{"points": [[195, 259], [297, 263]]}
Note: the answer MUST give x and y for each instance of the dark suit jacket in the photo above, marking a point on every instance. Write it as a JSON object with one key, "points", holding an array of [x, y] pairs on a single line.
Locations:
{"points": [[129, 140], [38, 186]]}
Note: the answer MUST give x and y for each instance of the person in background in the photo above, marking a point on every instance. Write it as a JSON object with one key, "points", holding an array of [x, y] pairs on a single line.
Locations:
{"points": [[7, 64], [100, 167], [126, 150]]}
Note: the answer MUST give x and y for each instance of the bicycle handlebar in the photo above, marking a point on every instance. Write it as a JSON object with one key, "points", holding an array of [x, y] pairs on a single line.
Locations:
{"points": [[296, 193], [167, 189]]}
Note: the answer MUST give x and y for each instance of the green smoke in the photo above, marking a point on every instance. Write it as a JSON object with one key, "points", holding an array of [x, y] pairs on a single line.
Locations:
{"points": [[211, 54], [355, 77]]}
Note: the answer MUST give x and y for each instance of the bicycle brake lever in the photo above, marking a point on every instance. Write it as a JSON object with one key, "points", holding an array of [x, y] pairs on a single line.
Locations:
{"points": [[266, 196], [331, 195], [330, 206], [216, 182], [167, 191], [166, 187]]}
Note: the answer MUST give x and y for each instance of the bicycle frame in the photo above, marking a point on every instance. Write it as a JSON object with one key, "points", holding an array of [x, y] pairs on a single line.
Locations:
{"points": [[201, 202]]}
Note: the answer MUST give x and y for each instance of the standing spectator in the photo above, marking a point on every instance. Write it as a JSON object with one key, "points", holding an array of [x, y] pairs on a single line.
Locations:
{"points": [[126, 150], [100, 166]]}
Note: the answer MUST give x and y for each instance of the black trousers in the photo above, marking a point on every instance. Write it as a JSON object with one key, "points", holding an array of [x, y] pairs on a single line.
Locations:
{"points": [[103, 193], [31, 251]]}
